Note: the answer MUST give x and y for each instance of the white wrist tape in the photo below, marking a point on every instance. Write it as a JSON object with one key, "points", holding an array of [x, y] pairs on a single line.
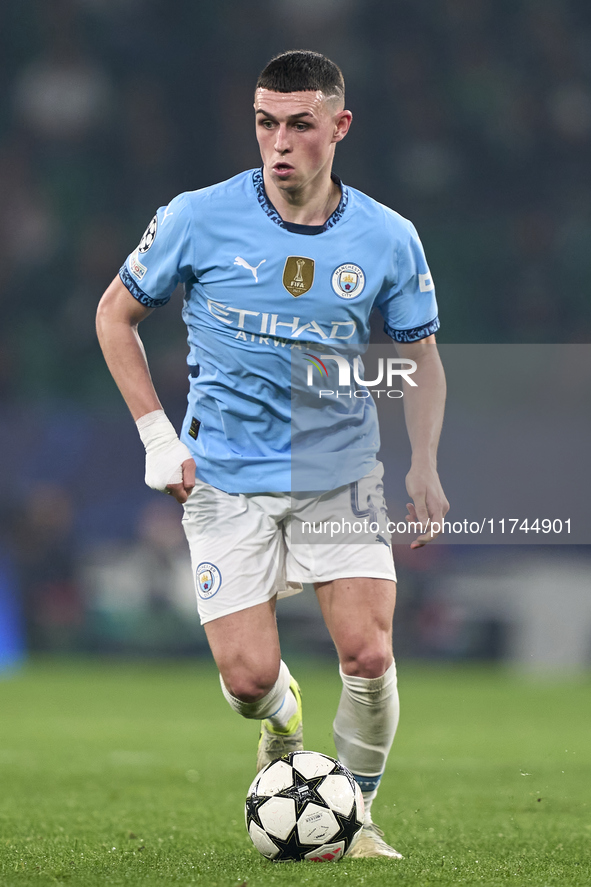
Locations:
{"points": [[165, 453]]}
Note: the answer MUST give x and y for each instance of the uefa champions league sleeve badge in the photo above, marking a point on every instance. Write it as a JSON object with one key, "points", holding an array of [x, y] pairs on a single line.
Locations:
{"points": [[148, 235]]}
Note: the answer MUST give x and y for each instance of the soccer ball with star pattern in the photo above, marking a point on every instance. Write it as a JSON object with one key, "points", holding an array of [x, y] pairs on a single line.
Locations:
{"points": [[304, 805]]}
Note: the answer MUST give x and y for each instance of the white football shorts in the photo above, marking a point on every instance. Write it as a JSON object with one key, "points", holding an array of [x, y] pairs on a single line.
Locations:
{"points": [[248, 547]]}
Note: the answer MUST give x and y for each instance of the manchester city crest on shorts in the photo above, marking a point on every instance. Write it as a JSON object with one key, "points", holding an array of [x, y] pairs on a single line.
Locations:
{"points": [[149, 235], [298, 275], [348, 281], [209, 580]]}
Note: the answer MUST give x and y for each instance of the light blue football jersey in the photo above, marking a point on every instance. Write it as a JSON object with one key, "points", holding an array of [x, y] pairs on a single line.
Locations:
{"points": [[260, 295]]}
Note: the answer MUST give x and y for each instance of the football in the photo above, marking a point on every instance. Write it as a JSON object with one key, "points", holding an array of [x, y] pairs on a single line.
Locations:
{"points": [[304, 805]]}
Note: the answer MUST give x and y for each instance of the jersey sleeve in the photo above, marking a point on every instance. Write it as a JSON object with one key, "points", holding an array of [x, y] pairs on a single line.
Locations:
{"points": [[409, 306], [163, 257]]}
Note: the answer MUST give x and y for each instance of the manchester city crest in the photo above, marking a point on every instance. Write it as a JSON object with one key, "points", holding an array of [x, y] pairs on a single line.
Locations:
{"points": [[208, 580], [348, 281]]}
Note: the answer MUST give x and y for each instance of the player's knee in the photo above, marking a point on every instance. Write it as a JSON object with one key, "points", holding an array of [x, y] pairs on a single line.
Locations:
{"points": [[368, 662], [250, 687]]}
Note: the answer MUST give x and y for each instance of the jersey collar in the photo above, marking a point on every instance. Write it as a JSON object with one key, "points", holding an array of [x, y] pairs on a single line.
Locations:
{"points": [[267, 206]]}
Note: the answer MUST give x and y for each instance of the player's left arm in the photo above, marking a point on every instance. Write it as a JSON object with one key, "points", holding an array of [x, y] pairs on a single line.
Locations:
{"points": [[423, 410]]}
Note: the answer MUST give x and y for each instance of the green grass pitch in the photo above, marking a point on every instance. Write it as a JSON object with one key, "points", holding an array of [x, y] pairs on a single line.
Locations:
{"points": [[125, 774]]}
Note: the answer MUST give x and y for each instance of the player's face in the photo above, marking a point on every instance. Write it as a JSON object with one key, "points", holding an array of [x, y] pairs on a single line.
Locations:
{"points": [[297, 133]]}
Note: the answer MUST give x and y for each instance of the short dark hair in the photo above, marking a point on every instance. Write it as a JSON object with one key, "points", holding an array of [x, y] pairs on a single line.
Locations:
{"points": [[299, 70]]}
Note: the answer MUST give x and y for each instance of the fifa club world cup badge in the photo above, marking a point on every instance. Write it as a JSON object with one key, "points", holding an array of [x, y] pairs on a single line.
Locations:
{"points": [[209, 580], [298, 275], [348, 281]]}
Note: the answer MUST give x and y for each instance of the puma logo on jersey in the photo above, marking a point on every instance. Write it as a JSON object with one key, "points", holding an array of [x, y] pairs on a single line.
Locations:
{"points": [[166, 215], [244, 264]]}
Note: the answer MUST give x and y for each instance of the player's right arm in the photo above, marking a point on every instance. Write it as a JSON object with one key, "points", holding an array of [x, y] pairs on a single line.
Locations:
{"points": [[117, 320], [169, 465]]}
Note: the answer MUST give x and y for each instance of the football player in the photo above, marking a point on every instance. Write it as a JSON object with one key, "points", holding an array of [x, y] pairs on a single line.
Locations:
{"points": [[279, 264]]}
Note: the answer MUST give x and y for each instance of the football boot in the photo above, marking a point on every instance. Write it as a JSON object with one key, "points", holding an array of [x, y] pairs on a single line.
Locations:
{"points": [[369, 843]]}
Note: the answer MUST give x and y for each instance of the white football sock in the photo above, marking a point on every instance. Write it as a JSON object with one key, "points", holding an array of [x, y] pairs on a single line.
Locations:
{"points": [[270, 705], [368, 798], [280, 720], [364, 728]]}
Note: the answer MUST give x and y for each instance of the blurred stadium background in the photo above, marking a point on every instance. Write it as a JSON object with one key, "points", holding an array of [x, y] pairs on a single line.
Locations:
{"points": [[472, 117]]}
